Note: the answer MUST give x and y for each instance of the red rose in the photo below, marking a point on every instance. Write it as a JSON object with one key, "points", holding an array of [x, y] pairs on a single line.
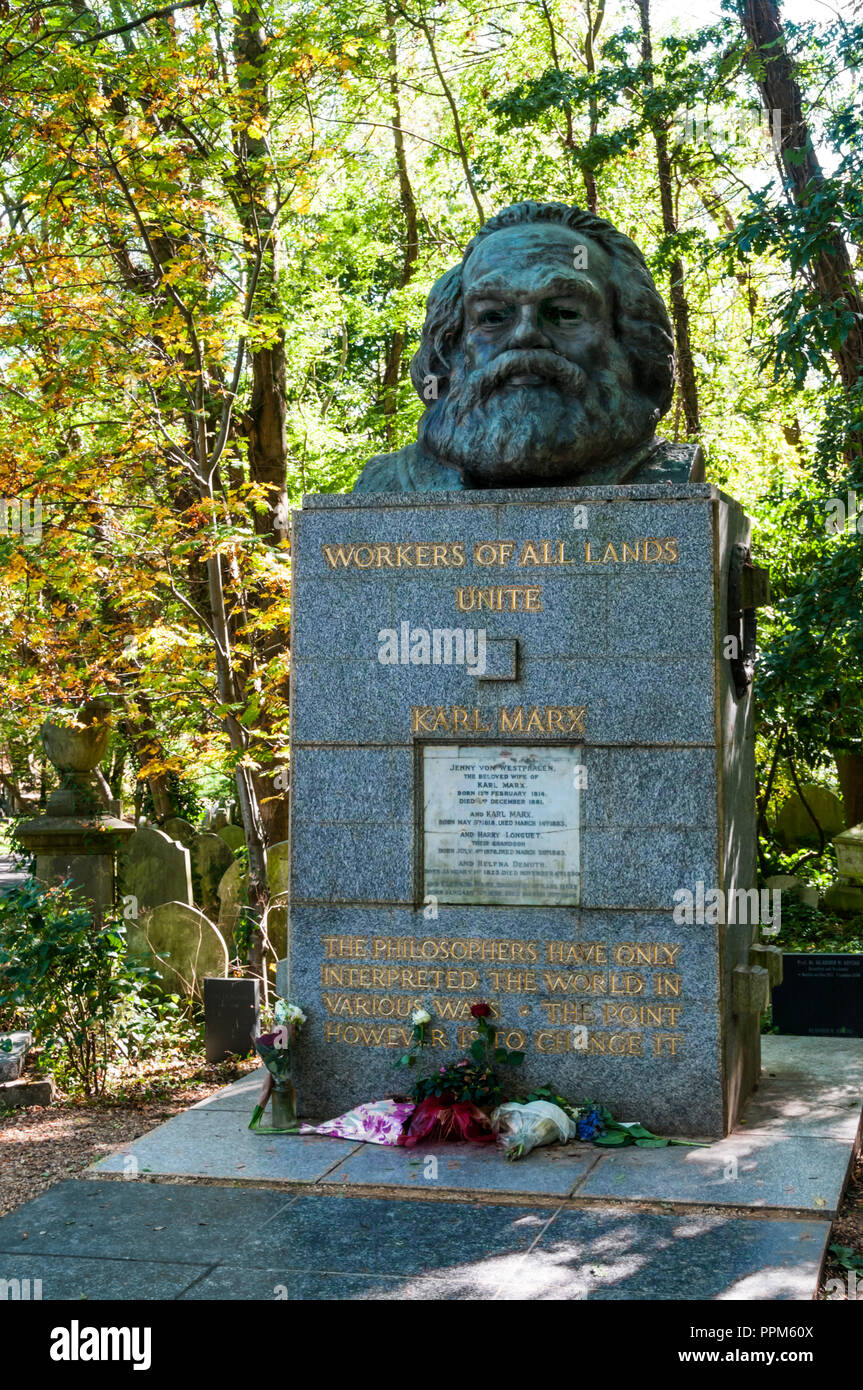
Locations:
{"points": [[480, 1010]]}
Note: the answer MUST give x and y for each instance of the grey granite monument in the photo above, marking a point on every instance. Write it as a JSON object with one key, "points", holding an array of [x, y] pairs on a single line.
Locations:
{"points": [[521, 716]]}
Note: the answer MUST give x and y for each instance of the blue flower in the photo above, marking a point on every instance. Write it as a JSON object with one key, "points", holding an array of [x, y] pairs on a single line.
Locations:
{"points": [[591, 1124]]}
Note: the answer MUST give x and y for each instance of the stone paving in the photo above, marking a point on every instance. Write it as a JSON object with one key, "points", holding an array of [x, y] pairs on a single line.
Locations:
{"points": [[201, 1208]]}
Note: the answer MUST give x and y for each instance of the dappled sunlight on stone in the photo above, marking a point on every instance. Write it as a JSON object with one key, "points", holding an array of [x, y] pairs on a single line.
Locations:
{"points": [[770, 1284]]}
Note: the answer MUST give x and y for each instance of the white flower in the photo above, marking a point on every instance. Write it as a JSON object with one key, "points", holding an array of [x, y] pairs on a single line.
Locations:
{"points": [[288, 1013], [419, 1017]]}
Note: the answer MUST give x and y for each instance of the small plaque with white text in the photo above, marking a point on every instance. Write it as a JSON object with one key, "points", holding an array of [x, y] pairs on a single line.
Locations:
{"points": [[501, 824]]}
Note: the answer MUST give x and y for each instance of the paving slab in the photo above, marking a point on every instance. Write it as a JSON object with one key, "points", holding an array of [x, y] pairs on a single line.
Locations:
{"points": [[782, 1106], [624, 1255], [595, 1254], [159, 1222], [468, 1167], [219, 1144], [786, 1171], [234, 1284], [70, 1279], [375, 1235], [103, 1240], [241, 1095], [813, 1059]]}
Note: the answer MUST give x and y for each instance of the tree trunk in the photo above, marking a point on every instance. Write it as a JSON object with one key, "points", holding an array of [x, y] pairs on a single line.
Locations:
{"points": [[679, 304], [392, 367], [264, 420], [831, 267]]}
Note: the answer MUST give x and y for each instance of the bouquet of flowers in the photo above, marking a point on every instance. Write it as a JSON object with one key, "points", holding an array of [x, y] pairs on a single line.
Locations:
{"points": [[276, 1052], [522, 1127], [449, 1101], [448, 1106]]}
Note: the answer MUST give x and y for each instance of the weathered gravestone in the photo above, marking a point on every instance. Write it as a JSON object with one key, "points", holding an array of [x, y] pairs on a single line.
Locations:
{"points": [[233, 837], [233, 895], [521, 719], [179, 829], [211, 859], [154, 869], [185, 945], [795, 824]]}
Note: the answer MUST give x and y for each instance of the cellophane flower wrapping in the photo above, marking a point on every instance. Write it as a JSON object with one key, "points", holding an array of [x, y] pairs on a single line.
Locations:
{"points": [[522, 1127], [375, 1122], [441, 1119], [276, 1052]]}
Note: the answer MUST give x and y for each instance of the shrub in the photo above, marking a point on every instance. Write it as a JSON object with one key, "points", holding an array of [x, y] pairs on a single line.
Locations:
{"points": [[68, 976]]}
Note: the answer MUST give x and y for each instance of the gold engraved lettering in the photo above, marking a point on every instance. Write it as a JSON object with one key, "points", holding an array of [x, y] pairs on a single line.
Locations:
{"points": [[559, 1011], [514, 981], [345, 946], [645, 550], [338, 556], [663, 983], [580, 982], [666, 1044], [645, 953], [616, 1044], [528, 555], [642, 1015], [396, 555], [493, 552], [512, 722], [576, 953], [501, 598]]}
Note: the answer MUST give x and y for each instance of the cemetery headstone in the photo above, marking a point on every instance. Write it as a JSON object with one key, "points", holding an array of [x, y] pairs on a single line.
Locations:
{"points": [[278, 868], [155, 869], [211, 859], [233, 837], [821, 995], [794, 823], [181, 830], [231, 1017], [185, 945], [13, 1054], [233, 894]]}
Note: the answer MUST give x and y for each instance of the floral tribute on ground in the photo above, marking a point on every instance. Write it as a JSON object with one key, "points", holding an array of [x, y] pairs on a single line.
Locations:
{"points": [[461, 1101]]}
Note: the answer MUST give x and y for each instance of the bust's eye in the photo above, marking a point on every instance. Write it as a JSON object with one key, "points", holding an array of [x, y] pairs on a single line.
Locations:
{"points": [[494, 315], [562, 315]]}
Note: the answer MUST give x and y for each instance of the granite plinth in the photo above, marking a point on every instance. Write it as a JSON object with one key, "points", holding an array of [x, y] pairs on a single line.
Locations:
{"points": [[613, 603]]}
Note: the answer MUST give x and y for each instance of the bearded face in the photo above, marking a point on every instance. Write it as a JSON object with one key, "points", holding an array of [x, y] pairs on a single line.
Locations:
{"points": [[540, 388]]}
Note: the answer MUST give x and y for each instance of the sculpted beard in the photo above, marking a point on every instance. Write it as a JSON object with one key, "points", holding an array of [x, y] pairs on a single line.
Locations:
{"points": [[495, 430]]}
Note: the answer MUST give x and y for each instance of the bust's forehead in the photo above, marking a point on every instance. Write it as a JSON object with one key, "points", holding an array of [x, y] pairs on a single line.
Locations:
{"points": [[516, 254]]}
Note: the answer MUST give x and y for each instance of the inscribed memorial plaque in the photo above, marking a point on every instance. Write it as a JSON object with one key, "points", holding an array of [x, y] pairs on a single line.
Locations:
{"points": [[501, 824]]}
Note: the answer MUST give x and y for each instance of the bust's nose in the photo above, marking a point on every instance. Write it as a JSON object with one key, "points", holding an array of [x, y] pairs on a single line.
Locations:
{"points": [[527, 331]]}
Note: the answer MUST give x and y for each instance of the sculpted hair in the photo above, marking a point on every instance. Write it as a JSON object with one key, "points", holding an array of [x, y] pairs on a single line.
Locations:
{"points": [[640, 319]]}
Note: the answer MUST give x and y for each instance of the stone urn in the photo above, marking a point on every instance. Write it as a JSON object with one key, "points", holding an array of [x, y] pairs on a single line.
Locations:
{"points": [[75, 840], [76, 750]]}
